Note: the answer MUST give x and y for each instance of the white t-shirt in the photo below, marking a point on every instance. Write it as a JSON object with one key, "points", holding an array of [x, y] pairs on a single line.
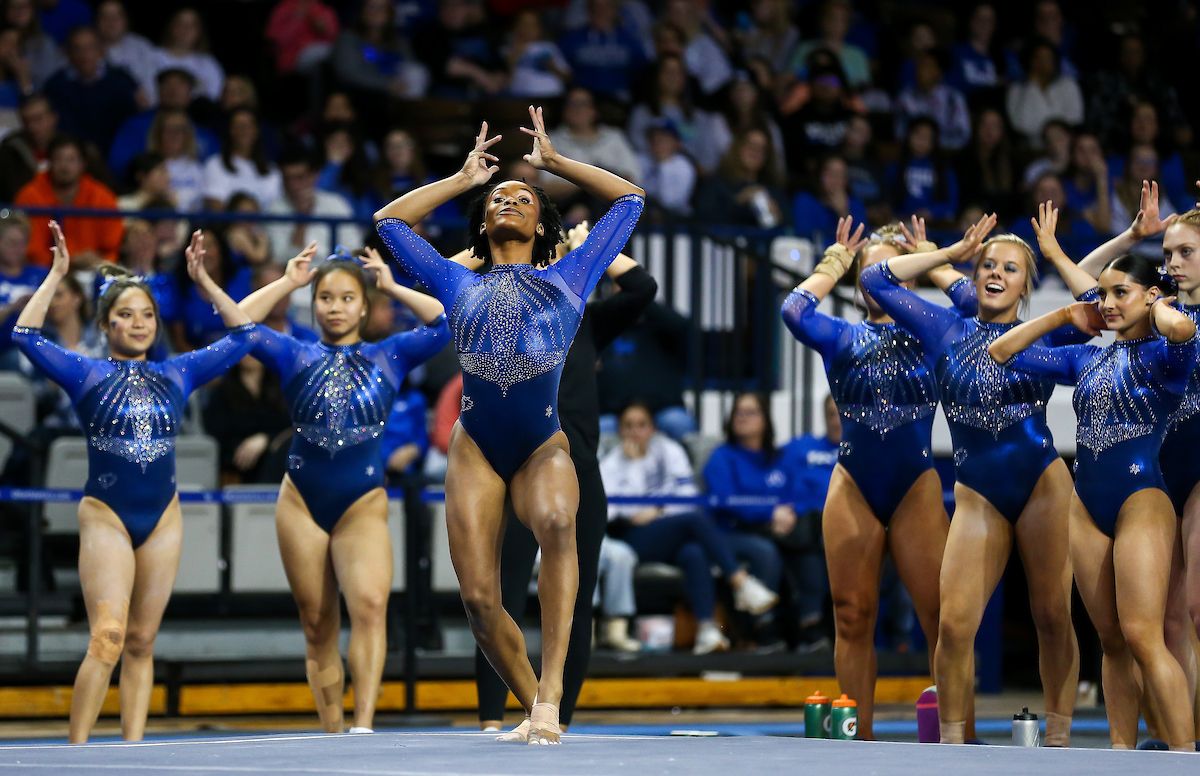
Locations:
{"points": [[327, 204], [187, 181], [664, 471], [221, 184]]}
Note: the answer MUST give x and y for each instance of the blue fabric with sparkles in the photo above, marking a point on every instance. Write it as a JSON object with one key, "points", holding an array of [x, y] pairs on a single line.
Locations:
{"points": [[512, 329], [130, 412], [885, 390], [339, 397], [1179, 459], [1125, 396], [997, 416]]}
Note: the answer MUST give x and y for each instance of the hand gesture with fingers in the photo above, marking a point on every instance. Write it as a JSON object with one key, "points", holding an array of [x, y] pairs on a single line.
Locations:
{"points": [[968, 246], [917, 234], [478, 167], [1044, 226], [1147, 222], [372, 261], [577, 234], [543, 153], [299, 268], [60, 264], [850, 240], [194, 253]]}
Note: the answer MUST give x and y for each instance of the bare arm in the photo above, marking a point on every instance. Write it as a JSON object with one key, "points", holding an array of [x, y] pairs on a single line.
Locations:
{"points": [[598, 182], [413, 207], [231, 315], [1082, 315], [1145, 224], [1171, 323], [942, 276], [1078, 279], [34, 314], [298, 274], [913, 265], [423, 306]]}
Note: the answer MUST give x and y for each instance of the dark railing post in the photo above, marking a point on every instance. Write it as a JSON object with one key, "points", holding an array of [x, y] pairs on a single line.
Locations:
{"points": [[695, 342]]}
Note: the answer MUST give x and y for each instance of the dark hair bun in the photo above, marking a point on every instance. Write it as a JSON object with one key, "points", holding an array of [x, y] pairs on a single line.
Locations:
{"points": [[1146, 272]]}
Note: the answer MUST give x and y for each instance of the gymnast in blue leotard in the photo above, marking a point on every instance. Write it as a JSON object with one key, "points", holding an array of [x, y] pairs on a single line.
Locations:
{"points": [[884, 494], [997, 421], [513, 326], [130, 528], [332, 511], [1123, 526]]}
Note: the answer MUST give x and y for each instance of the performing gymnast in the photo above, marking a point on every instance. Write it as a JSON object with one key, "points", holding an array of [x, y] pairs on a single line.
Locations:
{"points": [[512, 329], [130, 527]]}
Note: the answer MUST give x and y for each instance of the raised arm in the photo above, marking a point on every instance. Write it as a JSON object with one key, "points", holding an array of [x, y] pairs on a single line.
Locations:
{"points": [[910, 266], [598, 182], [1171, 323], [944, 276], [34, 314], [299, 273], [815, 329], [231, 315], [413, 207], [836, 260], [425, 307], [1078, 280], [1145, 224], [1084, 316]]}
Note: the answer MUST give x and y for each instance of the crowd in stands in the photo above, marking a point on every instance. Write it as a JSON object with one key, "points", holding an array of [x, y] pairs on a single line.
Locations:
{"points": [[767, 114]]}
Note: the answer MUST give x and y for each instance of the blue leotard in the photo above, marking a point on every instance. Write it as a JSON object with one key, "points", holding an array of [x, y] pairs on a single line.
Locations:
{"points": [[339, 397], [1179, 458], [885, 390], [1124, 398], [130, 411], [512, 329], [997, 416]]}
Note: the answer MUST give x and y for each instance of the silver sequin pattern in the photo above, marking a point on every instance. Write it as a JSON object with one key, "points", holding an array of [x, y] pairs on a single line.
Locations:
{"points": [[1190, 407], [1106, 401], [978, 392], [336, 408], [135, 416], [879, 389]]}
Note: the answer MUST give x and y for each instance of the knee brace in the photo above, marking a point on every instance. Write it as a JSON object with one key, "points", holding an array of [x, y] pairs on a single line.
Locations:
{"points": [[107, 639]]}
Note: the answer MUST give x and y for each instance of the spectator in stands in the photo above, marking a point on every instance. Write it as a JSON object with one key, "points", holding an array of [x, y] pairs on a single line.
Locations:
{"points": [[1144, 129], [1055, 157], [151, 182], [457, 48], [346, 170], [66, 184], [68, 324], [828, 198], [615, 595], [24, 153], [18, 280], [175, 87], [929, 96], [976, 68], [538, 67], [746, 190], [196, 323], [139, 252], [445, 415], [669, 97], [242, 164], [92, 99], [280, 318], [648, 464], [702, 53], [15, 80], [248, 416], [605, 56], [921, 39], [921, 181], [173, 136], [767, 38], [59, 17], [401, 167], [247, 239], [1116, 92], [1141, 165], [988, 165], [39, 50], [301, 197], [1045, 93], [863, 168], [1049, 25], [834, 26], [584, 139], [185, 46], [1078, 237], [743, 106], [371, 56], [126, 49], [668, 175], [1086, 182], [302, 32], [819, 125]]}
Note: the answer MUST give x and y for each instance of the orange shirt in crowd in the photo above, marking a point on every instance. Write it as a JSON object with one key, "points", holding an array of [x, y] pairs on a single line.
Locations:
{"points": [[102, 235]]}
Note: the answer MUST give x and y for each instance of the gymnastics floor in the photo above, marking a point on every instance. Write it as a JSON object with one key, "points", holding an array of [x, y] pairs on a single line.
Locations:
{"points": [[457, 753]]}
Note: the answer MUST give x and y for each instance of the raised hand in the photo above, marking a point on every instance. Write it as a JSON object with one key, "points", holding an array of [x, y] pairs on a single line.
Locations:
{"points": [[577, 234], [850, 240], [917, 234], [477, 167], [299, 268], [1147, 222], [194, 253], [372, 261], [1044, 226], [1086, 317], [968, 246], [543, 153], [60, 264]]}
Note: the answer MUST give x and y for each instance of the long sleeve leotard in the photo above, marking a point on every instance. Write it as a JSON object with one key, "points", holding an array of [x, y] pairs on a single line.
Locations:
{"points": [[1179, 459]]}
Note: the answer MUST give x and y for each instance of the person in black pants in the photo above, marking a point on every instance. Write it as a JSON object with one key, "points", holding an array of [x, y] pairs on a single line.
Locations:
{"points": [[579, 412]]}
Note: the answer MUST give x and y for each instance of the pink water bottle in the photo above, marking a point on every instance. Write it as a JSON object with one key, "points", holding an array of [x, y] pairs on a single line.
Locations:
{"points": [[928, 729]]}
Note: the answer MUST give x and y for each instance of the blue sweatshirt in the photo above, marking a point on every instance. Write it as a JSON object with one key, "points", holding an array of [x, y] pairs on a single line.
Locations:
{"points": [[810, 460], [736, 471]]}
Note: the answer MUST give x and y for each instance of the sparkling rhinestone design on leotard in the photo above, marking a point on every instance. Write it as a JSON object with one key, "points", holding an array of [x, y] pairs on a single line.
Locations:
{"points": [[1106, 401], [1190, 407], [336, 406], [878, 388], [978, 392], [135, 414]]}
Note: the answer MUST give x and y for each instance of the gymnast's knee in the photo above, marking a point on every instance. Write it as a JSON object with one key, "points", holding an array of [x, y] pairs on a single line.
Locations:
{"points": [[854, 619], [139, 643], [318, 627], [483, 609], [555, 528], [107, 641]]}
